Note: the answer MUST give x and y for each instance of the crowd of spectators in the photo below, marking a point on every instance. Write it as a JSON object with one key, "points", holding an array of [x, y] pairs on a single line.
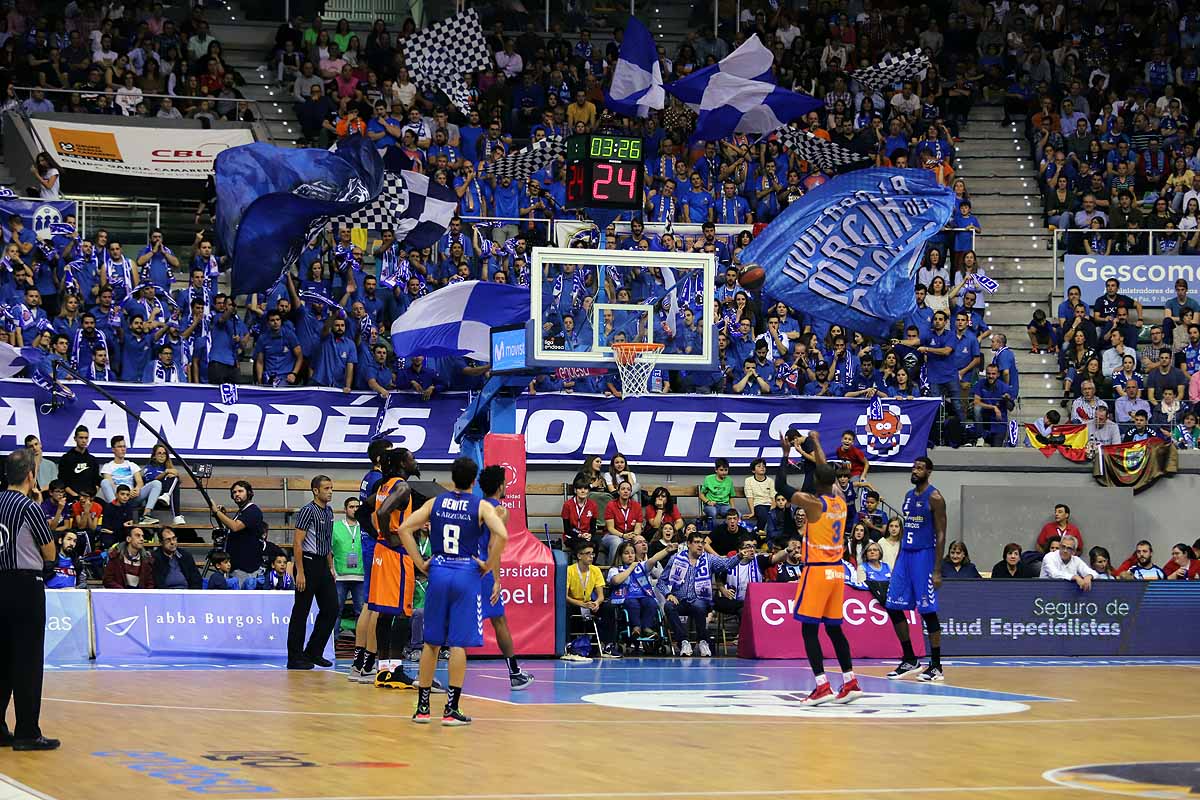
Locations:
{"points": [[131, 59], [640, 568], [541, 84], [1126, 375]]}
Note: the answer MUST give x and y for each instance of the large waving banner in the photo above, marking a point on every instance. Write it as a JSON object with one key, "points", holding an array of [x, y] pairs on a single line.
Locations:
{"points": [[265, 424], [846, 251], [38, 215], [272, 202], [140, 152]]}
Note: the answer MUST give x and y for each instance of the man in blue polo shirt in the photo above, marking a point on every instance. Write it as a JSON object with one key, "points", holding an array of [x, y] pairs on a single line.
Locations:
{"points": [[277, 356], [1006, 362], [938, 348], [966, 355], [160, 260], [336, 356], [226, 332], [993, 399]]}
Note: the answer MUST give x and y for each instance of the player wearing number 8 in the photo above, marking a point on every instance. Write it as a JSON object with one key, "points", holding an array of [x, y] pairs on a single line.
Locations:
{"points": [[822, 585], [453, 599]]}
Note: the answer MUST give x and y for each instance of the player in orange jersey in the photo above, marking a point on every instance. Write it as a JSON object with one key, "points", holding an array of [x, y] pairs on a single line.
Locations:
{"points": [[822, 582]]}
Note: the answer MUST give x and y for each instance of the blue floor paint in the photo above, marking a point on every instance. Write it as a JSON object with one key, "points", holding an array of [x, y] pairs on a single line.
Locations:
{"points": [[558, 682], [563, 683]]}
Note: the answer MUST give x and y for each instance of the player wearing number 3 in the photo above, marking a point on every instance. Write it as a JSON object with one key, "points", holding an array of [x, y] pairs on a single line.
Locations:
{"points": [[453, 599], [822, 582]]}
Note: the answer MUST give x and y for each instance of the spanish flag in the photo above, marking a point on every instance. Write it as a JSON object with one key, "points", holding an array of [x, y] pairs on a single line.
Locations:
{"points": [[1072, 447], [1136, 465]]}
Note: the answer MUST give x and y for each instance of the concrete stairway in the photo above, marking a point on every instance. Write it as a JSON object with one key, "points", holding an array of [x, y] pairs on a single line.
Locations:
{"points": [[246, 45], [1013, 246]]}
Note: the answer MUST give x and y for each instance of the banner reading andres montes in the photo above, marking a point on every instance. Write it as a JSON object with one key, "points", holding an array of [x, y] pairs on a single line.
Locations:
{"points": [[845, 252]]}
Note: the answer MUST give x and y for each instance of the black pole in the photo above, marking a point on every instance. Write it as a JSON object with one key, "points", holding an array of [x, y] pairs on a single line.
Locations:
{"points": [[121, 405]]}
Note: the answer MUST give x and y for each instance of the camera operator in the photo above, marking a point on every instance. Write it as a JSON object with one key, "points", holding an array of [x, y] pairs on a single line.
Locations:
{"points": [[244, 530]]}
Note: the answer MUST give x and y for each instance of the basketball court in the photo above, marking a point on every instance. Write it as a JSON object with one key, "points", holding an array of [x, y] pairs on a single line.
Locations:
{"points": [[634, 728]]}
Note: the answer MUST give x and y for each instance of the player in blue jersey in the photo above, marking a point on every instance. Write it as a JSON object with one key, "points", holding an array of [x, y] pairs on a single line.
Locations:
{"points": [[492, 483], [453, 602], [365, 643], [918, 572]]}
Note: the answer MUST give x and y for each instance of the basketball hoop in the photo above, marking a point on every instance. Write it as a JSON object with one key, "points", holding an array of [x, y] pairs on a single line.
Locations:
{"points": [[635, 362]]}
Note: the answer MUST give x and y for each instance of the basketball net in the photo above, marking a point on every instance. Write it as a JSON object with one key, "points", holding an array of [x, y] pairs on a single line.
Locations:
{"points": [[635, 362]]}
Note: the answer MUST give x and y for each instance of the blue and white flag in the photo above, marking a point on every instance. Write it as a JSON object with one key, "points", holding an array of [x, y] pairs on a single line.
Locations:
{"points": [[1014, 433], [416, 209], [13, 359], [637, 85], [981, 281], [738, 95], [875, 409], [318, 299], [458, 320], [272, 201], [846, 251], [39, 216], [229, 394]]}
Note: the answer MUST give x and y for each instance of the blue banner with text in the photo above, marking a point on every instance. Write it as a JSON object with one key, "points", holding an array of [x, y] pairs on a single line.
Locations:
{"points": [[1148, 279], [304, 424], [135, 624], [1056, 618]]}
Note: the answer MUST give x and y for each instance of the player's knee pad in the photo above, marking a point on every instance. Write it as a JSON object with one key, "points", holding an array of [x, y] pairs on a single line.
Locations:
{"points": [[932, 624]]}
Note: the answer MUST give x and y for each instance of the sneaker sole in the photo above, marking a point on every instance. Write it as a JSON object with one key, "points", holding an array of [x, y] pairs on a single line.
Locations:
{"points": [[819, 702], [421, 720], [520, 687], [938, 679], [850, 698], [450, 722], [905, 674], [395, 686]]}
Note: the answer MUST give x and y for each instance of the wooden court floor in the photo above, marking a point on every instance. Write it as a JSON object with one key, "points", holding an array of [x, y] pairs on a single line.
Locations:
{"points": [[675, 728]]}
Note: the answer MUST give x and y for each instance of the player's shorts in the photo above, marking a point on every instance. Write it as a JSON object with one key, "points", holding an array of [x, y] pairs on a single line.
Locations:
{"points": [[368, 558], [819, 595], [393, 579], [490, 610], [912, 582], [453, 604]]}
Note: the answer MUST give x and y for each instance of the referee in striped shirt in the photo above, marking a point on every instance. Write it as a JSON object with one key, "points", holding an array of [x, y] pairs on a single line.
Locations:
{"points": [[312, 553], [25, 546]]}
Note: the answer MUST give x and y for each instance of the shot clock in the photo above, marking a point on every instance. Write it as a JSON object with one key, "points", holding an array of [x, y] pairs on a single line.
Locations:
{"points": [[604, 171]]}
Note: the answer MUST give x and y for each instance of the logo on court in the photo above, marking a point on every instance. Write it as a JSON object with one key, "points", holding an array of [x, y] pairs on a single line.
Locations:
{"points": [[788, 704], [1164, 780]]}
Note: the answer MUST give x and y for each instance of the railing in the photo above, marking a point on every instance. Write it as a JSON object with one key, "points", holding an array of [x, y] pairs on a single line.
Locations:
{"points": [[94, 214], [1059, 251], [258, 125]]}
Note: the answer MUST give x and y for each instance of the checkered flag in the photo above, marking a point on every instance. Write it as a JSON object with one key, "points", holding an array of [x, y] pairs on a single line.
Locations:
{"points": [[893, 69], [441, 54], [416, 209], [526, 161], [827, 156]]}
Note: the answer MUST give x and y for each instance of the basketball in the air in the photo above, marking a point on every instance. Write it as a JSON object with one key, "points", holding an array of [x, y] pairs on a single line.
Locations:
{"points": [[813, 181], [752, 277]]}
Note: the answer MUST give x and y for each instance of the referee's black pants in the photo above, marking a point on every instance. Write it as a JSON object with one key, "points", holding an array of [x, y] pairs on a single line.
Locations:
{"points": [[319, 583], [22, 638]]}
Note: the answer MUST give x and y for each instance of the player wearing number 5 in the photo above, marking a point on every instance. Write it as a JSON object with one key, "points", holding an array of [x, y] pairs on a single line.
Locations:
{"points": [[918, 572], [453, 599], [822, 583]]}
